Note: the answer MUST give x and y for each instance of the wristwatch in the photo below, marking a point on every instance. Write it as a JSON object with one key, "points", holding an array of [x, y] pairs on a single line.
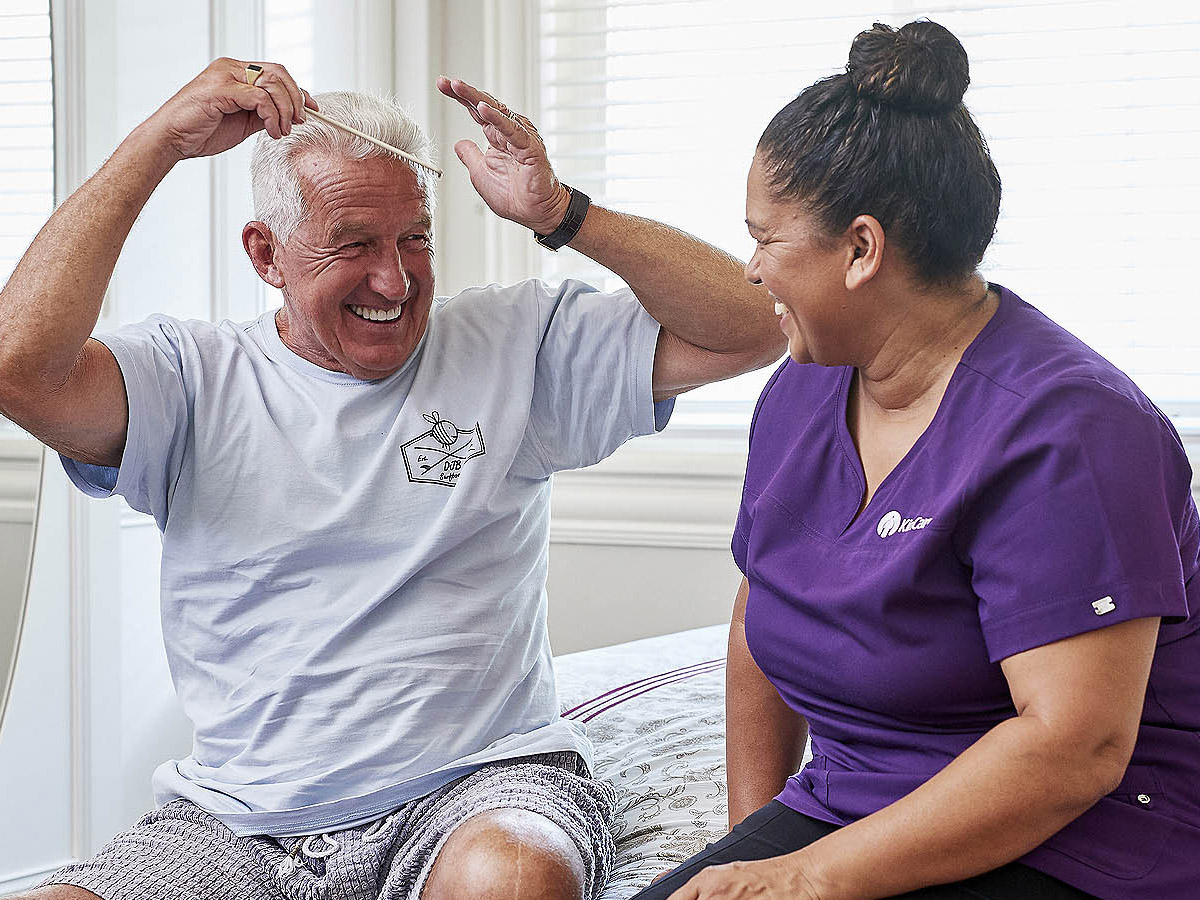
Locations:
{"points": [[570, 224]]}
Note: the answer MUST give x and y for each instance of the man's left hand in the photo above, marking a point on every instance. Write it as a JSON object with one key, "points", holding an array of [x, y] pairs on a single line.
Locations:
{"points": [[513, 175], [779, 878]]}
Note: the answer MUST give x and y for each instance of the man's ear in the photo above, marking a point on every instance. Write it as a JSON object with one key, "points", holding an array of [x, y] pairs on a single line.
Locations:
{"points": [[866, 251], [260, 247]]}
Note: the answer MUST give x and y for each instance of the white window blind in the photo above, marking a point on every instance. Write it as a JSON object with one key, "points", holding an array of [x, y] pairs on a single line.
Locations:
{"points": [[26, 127], [26, 133], [1091, 109], [288, 30]]}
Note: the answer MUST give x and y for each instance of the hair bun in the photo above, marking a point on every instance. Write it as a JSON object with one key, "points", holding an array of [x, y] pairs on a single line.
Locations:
{"points": [[921, 68]]}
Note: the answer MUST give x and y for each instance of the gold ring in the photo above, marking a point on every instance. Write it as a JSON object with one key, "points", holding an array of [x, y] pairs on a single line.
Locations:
{"points": [[253, 71]]}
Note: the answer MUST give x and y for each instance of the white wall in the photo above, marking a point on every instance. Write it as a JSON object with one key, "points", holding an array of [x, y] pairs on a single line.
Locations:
{"points": [[639, 545]]}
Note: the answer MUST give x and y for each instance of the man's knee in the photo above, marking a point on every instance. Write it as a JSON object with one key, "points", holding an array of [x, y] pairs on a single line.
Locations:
{"points": [[57, 892], [507, 853]]}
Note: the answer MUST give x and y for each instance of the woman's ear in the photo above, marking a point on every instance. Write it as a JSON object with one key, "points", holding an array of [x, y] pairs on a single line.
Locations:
{"points": [[867, 241], [260, 247]]}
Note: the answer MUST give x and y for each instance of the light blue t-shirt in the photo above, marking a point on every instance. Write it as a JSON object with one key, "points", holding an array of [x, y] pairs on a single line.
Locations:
{"points": [[353, 572]]}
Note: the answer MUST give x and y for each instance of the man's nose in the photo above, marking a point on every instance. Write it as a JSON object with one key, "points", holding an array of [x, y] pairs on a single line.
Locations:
{"points": [[389, 278]]}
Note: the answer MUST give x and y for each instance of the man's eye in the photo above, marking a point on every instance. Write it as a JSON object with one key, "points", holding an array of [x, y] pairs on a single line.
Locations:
{"points": [[352, 246], [419, 238]]}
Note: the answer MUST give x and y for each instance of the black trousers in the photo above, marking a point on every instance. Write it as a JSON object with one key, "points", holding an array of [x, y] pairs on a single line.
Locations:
{"points": [[776, 829]]}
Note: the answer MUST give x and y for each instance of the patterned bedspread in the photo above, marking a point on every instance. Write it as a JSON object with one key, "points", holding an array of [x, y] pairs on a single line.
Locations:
{"points": [[655, 710]]}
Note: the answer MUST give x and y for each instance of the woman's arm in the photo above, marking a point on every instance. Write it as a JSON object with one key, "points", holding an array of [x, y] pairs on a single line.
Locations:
{"points": [[764, 737], [1079, 704]]}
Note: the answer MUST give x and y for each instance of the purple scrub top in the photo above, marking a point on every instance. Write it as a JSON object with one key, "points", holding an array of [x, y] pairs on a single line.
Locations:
{"points": [[1047, 498]]}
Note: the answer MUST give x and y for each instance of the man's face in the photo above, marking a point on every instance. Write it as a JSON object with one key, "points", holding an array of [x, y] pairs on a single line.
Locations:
{"points": [[358, 271]]}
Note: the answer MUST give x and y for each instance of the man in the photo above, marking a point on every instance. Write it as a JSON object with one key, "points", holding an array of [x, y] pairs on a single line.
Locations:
{"points": [[354, 492]]}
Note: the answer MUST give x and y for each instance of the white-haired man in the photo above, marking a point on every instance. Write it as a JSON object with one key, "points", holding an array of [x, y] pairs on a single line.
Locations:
{"points": [[353, 493]]}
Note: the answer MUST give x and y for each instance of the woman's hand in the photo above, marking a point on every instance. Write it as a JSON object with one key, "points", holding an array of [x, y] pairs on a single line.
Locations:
{"points": [[513, 176], [218, 109], [781, 878]]}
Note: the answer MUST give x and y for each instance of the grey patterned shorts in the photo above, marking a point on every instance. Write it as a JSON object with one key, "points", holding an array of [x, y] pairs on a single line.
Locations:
{"points": [[180, 852]]}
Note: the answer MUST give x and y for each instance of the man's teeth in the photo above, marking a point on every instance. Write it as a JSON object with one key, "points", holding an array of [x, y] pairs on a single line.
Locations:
{"points": [[377, 315], [780, 309]]}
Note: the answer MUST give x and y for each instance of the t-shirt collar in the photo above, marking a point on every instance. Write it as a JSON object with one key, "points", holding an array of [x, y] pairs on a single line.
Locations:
{"points": [[281, 353]]}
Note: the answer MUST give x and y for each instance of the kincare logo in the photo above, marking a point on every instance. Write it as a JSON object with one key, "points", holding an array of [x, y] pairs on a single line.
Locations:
{"points": [[893, 523]]}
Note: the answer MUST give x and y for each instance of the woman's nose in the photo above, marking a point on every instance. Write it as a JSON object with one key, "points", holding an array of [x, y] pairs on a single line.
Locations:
{"points": [[752, 269]]}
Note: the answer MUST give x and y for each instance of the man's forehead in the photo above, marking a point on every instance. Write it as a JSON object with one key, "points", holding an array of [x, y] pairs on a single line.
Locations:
{"points": [[326, 178]]}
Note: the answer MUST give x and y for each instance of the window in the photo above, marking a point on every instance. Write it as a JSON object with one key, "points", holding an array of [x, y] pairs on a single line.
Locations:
{"points": [[26, 133], [1090, 109], [26, 128], [289, 37]]}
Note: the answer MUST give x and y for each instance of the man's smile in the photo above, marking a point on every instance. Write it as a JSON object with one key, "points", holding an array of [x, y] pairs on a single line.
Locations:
{"points": [[373, 314]]}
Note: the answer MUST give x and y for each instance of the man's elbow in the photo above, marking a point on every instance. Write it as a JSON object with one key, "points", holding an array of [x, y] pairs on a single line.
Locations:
{"points": [[24, 392], [763, 353], [681, 366], [771, 350], [753, 353], [14, 390]]}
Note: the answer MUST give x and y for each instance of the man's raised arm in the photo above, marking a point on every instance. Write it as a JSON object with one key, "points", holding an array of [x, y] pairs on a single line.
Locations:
{"points": [[714, 324], [63, 388]]}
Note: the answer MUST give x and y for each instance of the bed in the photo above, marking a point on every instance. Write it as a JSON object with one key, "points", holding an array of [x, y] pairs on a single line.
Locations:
{"points": [[655, 711]]}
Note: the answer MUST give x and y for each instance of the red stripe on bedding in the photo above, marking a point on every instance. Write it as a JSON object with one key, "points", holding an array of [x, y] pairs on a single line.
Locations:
{"points": [[720, 665], [619, 695], [641, 681]]}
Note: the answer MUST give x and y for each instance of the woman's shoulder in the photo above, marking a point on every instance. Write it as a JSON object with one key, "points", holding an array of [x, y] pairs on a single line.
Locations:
{"points": [[1028, 365], [794, 394]]}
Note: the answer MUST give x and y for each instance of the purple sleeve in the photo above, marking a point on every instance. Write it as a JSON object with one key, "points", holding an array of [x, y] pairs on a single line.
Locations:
{"points": [[1078, 523], [738, 545], [741, 530]]}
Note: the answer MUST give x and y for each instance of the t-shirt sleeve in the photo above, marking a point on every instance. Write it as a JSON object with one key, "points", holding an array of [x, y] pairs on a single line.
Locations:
{"points": [[594, 376], [151, 360], [1079, 524]]}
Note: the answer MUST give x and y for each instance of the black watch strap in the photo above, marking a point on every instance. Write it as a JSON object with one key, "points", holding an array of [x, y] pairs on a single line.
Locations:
{"points": [[571, 223]]}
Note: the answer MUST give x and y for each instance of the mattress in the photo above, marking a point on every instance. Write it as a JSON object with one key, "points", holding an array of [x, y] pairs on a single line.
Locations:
{"points": [[655, 711]]}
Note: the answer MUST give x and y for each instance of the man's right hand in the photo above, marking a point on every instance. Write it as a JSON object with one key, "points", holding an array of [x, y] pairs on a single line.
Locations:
{"points": [[218, 109], [62, 388]]}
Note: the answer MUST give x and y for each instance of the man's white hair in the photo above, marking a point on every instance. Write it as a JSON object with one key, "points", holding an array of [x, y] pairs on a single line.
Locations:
{"points": [[278, 200]]}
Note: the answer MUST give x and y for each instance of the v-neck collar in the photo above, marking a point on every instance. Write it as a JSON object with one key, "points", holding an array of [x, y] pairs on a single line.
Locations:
{"points": [[841, 408]]}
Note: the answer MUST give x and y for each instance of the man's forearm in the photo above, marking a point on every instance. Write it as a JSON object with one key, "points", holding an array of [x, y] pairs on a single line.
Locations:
{"points": [[694, 290], [52, 301], [715, 324]]}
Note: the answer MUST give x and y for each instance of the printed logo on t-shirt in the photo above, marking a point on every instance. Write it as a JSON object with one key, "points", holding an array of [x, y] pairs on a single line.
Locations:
{"points": [[438, 455], [893, 523], [1104, 605]]}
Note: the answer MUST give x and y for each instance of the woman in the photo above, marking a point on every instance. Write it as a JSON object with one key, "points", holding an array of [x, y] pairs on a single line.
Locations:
{"points": [[969, 543]]}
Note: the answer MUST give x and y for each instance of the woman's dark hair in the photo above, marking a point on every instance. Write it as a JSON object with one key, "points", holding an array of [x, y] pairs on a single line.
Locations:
{"points": [[891, 138]]}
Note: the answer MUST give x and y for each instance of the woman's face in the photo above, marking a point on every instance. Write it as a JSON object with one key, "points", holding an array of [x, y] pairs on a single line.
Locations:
{"points": [[804, 269]]}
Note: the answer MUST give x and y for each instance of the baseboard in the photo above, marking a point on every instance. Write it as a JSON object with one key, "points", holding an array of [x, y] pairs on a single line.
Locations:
{"points": [[21, 881]]}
